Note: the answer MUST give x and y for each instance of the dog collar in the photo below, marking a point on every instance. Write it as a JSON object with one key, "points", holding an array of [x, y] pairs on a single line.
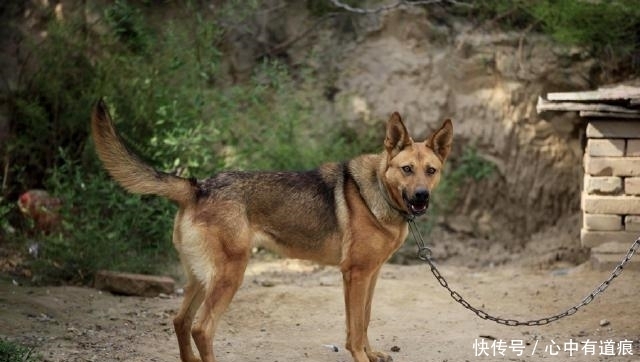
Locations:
{"points": [[385, 194]]}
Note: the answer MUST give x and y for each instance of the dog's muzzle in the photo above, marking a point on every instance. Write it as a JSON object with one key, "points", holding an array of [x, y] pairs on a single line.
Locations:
{"points": [[418, 203]]}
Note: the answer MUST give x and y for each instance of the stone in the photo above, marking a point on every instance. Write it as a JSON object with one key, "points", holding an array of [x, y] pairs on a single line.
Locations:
{"points": [[607, 262], [602, 222], [613, 129], [605, 147], [607, 256], [632, 185], [602, 185], [605, 204], [592, 238], [633, 148], [133, 284], [632, 223], [612, 166], [612, 248]]}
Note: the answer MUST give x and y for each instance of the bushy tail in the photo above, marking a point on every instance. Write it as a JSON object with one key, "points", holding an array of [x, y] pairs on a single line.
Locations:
{"points": [[128, 169]]}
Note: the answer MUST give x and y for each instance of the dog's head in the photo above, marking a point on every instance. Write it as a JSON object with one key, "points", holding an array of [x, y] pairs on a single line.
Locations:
{"points": [[413, 168]]}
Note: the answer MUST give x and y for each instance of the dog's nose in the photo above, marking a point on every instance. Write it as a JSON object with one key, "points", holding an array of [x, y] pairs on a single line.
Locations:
{"points": [[421, 195]]}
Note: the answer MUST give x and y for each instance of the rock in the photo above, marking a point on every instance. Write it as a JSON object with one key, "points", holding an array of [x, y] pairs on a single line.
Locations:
{"points": [[267, 283], [604, 323], [133, 284], [332, 347], [607, 256]]}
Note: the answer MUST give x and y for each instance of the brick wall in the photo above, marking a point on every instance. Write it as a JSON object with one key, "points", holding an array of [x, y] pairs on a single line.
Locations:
{"points": [[611, 191]]}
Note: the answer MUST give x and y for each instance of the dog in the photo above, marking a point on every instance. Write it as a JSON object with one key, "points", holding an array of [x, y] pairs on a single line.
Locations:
{"points": [[353, 215]]}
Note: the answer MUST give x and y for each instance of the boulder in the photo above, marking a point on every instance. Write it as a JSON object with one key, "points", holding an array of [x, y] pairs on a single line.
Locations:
{"points": [[133, 284]]}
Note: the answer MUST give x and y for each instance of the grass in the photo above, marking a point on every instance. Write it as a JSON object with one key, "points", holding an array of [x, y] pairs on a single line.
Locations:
{"points": [[13, 352]]}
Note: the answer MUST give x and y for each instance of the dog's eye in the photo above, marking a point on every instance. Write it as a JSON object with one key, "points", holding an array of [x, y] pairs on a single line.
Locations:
{"points": [[431, 170], [407, 169]]}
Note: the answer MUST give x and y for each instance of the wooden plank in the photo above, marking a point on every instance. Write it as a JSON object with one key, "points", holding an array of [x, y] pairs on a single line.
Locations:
{"points": [[544, 105], [609, 115], [603, 94]]}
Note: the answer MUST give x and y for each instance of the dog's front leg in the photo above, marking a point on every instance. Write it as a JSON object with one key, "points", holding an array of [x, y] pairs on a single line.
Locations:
{"points": [[367, 315], [358, 290]]}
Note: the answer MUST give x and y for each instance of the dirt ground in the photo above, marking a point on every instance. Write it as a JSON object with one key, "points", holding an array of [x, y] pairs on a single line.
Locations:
{"points": [[290, 310]]}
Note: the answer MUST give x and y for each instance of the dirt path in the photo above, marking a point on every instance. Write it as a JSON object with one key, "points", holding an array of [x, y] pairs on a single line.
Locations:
{"points": [[293, 311]]}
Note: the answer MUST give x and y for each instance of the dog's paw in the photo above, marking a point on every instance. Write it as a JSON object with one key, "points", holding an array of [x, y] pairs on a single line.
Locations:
{"points": [[379, 357]]}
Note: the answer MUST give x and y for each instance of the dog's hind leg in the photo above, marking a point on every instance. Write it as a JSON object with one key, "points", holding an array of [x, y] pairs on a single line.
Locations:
{"points": [[193, 296], [231, 260]]}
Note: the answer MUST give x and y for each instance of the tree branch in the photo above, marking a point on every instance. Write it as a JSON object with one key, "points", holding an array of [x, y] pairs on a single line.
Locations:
{"points": [[398, 4]]}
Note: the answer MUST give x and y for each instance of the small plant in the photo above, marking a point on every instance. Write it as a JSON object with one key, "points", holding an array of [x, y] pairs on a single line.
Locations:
{"points": [[13, 352], [103, 227], [127, 24], [5, 209], [607, 28], [469, 168]]}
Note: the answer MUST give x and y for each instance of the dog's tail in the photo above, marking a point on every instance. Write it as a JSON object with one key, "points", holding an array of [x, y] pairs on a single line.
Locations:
{"points": [[128, 169]]}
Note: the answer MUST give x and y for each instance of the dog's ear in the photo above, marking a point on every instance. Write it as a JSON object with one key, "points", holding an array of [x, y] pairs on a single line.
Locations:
{"points": [[397, 136], [440, 140]]}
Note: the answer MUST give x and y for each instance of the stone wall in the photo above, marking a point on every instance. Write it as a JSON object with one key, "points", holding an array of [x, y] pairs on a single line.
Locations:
{"points": [[611, 193]]}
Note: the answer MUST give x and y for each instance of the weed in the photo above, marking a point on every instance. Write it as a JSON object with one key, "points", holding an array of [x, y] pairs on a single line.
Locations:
{"points": [[13, 352], [103, 227], [608, 28]]}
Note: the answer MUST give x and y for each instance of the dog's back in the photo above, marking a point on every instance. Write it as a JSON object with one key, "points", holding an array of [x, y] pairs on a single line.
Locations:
{"points": [[291, 213]]}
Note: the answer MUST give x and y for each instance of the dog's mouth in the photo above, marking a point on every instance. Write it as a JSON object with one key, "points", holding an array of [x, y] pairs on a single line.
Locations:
{"points": [[416, 206]]}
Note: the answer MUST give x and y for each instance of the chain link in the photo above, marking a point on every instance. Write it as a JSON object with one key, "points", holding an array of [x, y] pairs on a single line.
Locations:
{"points": [[424, 254]]}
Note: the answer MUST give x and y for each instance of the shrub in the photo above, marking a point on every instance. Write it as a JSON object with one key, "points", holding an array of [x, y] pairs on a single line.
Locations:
{"points": [[103, 227], [608, 28], [12, 352], [165, 96]]}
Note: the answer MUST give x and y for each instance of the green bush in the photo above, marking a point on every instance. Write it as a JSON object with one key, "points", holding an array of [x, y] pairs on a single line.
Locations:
{"points": [[166, 94], [49, 107], [612, 25], [103, 227], [12, 352], [608, 28]]}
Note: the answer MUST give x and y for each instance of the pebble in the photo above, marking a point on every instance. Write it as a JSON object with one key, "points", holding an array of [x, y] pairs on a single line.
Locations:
{"points": [[333, 347], [604, 323]]}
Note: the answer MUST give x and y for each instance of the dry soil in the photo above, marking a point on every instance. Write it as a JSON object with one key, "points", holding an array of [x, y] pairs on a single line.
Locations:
{"points": [[290, 310]]}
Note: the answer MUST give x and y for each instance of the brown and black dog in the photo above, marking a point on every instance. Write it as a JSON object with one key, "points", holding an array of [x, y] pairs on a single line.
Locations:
{"points": [[352, 214]]}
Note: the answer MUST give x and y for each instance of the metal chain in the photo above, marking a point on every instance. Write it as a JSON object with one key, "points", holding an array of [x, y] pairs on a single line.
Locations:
{"points": [[424, 254]]}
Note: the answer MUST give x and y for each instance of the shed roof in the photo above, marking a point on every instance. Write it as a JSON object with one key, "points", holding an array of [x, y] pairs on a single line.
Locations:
{"points": [[621, 101]]}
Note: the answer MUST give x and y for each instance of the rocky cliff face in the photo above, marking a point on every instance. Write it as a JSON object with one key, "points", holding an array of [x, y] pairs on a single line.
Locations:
{"points": [[487, 82]]}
